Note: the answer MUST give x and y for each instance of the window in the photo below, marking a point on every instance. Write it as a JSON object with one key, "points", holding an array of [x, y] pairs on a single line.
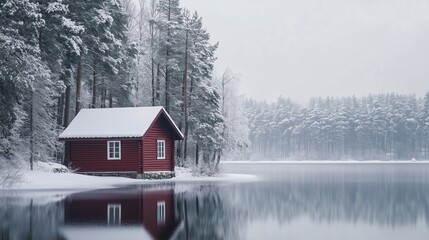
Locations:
{"points": [[160, 212], [160, 146], [114, 214], [113, 150]]}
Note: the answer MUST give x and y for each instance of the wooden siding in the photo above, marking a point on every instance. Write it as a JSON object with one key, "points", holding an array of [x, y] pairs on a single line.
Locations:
{"points": [[160, 130], [91, 156]]}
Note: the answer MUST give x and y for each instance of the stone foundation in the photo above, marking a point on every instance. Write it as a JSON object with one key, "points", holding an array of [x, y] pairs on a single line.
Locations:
{"points": [[111, 174], [156, 175], [145, 175]]}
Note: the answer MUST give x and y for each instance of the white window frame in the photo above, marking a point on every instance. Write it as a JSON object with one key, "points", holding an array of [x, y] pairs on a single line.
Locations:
{"points": [[160, 212], [116, 218], [160, 149], [108, 150]]}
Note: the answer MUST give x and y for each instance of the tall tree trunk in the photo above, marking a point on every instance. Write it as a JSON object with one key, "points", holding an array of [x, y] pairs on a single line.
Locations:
{"points": [[152, 52], [167, 84], [167, 59], [224, 82], [185, 99], [197, 154], [32, 103], [191, 89], [185, 143], [66, 158], [110, 99], [78, 84], [67, 106], [158, 84], [158, 78], [103, 95], [179, 148], [218, 160], [32, 130], [60, 110], [94, 84], [153, 82]]}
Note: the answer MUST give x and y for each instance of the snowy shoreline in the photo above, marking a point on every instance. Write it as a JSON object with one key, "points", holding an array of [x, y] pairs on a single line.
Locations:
{"points": [[327, 162], [40, 180]]}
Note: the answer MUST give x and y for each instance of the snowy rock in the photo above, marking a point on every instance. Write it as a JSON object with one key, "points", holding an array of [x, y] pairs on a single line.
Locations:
{"points": [[51, 167]]}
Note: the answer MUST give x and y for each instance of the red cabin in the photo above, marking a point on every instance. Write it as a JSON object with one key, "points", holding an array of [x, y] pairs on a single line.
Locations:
{"points": [[136, 142]]}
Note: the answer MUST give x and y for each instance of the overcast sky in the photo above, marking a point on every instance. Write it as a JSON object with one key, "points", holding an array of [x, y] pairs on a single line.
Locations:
{"points": [[305, 48]]}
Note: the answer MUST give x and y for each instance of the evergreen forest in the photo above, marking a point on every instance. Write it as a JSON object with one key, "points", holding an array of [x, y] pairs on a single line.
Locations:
{"points": [[59, 56], [375, 127]]}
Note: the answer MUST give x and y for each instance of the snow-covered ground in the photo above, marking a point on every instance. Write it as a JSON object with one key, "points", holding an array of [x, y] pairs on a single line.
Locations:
{"points": [[54, 177], [185, 175], [47, 180]]}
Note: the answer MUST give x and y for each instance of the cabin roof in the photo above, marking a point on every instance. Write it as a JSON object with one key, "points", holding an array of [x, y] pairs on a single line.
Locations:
{"points": [[132, 122]]}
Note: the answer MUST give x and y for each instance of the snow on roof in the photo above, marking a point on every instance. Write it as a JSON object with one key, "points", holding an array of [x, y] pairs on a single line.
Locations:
{"points": [[113, 122]]}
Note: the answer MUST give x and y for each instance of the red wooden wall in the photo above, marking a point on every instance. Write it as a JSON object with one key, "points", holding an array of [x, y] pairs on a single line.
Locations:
{"points": [[160, 130], [91, 156]]}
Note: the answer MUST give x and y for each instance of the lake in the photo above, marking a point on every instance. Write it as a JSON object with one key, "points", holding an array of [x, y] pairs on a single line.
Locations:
{"points": [[289, 201]]}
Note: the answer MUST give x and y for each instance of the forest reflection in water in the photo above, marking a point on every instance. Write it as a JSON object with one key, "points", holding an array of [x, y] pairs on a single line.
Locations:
{"points": [[393, 198]]}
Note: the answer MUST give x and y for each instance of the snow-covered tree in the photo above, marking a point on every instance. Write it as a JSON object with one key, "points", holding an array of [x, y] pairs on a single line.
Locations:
{"points": [[18, 58], [33, 84], [205, 120], [384, 126], [42, 45], [235, 131]]}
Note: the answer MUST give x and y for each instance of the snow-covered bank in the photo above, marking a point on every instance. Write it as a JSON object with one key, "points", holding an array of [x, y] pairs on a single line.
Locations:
{"points": [[47, 180], [185, 175], [44, 179], [54, 176], [326, 161]]}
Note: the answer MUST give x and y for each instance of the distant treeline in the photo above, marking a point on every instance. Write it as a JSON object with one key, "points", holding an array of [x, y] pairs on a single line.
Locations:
{"points": [[385, 126]]}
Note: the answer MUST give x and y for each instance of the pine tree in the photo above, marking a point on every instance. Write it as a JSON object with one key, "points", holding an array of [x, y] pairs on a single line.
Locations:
{"points": [[34, 87], [206, 121], [169, 24], [18, 50]]}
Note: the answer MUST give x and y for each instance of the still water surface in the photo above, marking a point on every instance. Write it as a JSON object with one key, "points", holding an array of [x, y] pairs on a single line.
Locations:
{"points": [[290, 201]]}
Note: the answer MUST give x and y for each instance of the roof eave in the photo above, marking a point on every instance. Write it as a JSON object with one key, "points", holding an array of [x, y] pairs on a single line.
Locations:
{"points": [[98, 138], [178, 134]]}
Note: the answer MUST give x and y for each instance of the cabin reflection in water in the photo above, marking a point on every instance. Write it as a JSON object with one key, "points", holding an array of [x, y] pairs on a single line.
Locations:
{"points": [[132, 212]]}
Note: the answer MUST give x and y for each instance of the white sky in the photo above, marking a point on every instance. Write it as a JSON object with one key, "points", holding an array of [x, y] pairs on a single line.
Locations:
{"points": [[305, 48]]}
